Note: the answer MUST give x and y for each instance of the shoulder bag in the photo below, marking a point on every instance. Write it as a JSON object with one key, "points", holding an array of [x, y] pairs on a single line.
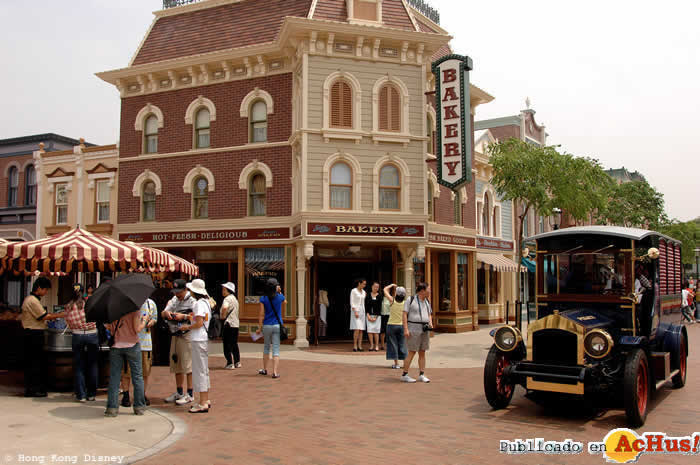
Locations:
{"points": [[284, 334]]}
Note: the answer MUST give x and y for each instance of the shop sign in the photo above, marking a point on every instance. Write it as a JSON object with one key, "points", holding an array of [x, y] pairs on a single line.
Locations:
{"points": [[451, 240], [203, 236], [349, 229], [494, 244], [453, 110]]}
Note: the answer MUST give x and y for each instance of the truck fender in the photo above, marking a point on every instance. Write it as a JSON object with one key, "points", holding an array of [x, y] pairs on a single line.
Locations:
{"points": [[672, 340]]}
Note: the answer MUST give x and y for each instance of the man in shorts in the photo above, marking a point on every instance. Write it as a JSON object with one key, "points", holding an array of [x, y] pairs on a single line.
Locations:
{"points": [[417, 315], [150, 311], [177, 310]]}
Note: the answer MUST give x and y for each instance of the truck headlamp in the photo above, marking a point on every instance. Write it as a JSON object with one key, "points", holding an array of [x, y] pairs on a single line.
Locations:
{"points": [[597, 343], [507, 338]]}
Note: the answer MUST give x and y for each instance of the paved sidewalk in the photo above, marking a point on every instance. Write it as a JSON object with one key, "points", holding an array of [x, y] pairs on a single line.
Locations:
{"points": [[58, 429]]}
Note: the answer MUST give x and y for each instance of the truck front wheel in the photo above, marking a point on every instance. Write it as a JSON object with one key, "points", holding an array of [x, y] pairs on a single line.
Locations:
{"points": [[498, 391], [636, 387]]}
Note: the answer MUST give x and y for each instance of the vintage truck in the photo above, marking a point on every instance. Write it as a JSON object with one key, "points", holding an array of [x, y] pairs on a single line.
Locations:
{"points": [[608, 326]]}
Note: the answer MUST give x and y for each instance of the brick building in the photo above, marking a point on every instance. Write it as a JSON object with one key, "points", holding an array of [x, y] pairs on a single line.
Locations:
{"points": [[292, 139]]}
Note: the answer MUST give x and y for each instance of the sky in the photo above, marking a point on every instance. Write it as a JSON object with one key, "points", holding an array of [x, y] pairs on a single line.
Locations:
{"points": [[615, 80]]}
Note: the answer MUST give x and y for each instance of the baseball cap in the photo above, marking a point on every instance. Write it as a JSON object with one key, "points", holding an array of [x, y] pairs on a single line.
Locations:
{"points": [[179, 285]]}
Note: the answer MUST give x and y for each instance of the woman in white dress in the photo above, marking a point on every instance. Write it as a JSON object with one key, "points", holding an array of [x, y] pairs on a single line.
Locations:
{"points": [[357, 314]]}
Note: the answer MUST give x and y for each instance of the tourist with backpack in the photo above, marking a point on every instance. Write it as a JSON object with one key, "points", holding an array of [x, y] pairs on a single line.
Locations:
{"points": [[417, 324]]}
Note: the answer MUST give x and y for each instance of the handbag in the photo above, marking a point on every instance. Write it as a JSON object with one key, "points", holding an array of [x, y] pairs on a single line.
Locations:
{"points": [[284, 334]]}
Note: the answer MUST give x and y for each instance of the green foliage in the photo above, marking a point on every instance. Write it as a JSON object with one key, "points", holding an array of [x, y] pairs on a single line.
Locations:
{"points": [[635, 204], [688, 233]]}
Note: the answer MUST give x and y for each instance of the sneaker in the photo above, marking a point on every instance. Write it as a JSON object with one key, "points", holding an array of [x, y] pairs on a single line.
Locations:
{"points": [[423, 379], [81, 400], [91, 398], [186, 399], [174, 397], [197, 408], [407, 379], [111, 412], [139, 411], [230, 366], [126, 401], [395, 367], [238, 365]]}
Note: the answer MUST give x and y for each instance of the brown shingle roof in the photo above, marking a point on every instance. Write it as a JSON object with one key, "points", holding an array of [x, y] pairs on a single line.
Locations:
{"points": [[394, 14], [248, 22], [442, 51], [423, 27]]}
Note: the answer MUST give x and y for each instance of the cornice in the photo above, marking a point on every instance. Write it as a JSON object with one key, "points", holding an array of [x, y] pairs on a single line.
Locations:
{"points": [[235, 148]]}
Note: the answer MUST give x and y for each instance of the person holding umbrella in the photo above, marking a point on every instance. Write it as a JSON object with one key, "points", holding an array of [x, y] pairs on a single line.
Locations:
{"points": [[118, 303], [199, 341]]}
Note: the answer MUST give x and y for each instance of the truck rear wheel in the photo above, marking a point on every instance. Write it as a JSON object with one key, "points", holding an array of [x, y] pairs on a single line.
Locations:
{"points": [[636, 387], [682, 363], [498, 391]]}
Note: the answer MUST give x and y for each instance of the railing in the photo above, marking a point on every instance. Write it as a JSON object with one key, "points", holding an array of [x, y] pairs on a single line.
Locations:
{"points": [[426, 10], [174, 3]]}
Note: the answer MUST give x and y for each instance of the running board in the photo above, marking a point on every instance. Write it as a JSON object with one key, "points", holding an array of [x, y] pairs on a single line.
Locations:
{"points": [[664, 381]]}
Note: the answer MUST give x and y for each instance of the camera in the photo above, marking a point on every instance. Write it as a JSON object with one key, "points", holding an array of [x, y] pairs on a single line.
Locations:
{"points": [[427, 327]]}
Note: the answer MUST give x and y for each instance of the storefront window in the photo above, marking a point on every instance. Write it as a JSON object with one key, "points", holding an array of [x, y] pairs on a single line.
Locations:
{"points": [[261, 265], [494, 286], [481, 285], [445, 281], [463, 280], [419, 271]]}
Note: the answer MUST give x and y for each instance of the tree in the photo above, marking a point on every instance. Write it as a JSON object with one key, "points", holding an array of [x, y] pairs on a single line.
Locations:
{"points": [[540, 178], [635, 204]]}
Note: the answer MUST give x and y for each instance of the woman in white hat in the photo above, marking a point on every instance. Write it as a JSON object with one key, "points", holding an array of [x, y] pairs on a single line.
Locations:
{"points": [[230, 314], [199, 341]]}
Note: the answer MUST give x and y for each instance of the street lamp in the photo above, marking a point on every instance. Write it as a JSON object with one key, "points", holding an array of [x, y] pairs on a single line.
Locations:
{"points": [[556, 218]]}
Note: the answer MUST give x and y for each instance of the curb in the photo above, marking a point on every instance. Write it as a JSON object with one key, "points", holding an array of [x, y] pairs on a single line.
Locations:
{"points": [[176, 433]]}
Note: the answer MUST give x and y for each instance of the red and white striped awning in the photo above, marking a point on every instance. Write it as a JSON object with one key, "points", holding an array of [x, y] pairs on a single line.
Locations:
{"points": [[81, 250], [499, 263]]}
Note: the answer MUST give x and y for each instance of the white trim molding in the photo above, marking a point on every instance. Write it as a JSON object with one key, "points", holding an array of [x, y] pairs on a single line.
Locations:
{"points": [[405, 100], [68, 180], [144, 112], [357, 102], [10, 165], [147, 175], [195, 172], [255, 167], [95, 176], [404, 173], [27, 163], [356, 181], [198, 103], [253, 95], [432, 177]]}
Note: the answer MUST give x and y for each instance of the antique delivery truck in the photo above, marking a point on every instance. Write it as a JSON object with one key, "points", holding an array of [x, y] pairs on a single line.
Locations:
{"points": [[608, 325]]}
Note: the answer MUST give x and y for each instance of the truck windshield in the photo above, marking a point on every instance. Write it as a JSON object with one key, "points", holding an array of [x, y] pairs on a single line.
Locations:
{"points": [[591, 273]]}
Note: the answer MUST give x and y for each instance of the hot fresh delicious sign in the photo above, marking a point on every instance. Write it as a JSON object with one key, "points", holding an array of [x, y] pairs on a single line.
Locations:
{"points": [[452, 105], [213, 235]]}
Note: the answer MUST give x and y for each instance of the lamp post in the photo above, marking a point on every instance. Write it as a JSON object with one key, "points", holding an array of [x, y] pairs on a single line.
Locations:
{"points": [[556, 218]]}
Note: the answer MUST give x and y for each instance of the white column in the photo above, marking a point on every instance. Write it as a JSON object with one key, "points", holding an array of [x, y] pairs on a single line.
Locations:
{"points": [[409, 281], [304, 252], [40, 188], [80, 174]]}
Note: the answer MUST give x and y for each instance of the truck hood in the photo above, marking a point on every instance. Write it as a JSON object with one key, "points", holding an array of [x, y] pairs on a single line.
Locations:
{"points": [[589, 319]]}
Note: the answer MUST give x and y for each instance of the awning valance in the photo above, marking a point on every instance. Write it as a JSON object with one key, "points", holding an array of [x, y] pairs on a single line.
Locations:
{"points": [[499, 262], [529, 264]]}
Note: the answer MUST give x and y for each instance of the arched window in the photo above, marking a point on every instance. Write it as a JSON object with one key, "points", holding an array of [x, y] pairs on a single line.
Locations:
{"points": [[13, 183], [389, 188], [258, 122], [201, 130], [30, 186], [541, 224], [148, 201], [431, 136], [485, 216], [150, 135], [458, 207], [341, 186], [200, 198], [526, 224], [389, 109], [431, 207], [496, 213], [256, 195], [341, 105]]}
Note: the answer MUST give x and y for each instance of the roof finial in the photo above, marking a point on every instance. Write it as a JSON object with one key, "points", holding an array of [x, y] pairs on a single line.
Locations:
{"points": [[527, 102]]}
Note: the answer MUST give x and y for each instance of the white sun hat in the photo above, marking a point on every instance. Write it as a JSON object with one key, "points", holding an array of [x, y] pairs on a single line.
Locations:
{"points": [[230, 286], [197, 286]]}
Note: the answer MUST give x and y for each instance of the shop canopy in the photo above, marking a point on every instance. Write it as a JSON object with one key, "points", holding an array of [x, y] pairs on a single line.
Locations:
{"points": [[83, 251], [499, 262], [529, 264]]}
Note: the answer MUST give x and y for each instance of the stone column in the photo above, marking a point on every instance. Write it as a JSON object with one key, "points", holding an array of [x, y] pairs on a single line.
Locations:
{"points": [[305, 251]]}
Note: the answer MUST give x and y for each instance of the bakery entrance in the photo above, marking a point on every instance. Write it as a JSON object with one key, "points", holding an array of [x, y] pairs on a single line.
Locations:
{"points": [[337, 277]]}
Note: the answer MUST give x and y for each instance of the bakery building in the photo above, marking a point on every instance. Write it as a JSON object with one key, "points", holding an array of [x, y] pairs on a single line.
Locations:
{"points": [[296, 147]]}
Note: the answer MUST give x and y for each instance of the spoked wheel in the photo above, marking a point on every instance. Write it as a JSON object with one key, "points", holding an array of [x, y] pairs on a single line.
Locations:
{"points": [[498, 391], [636, 387], [682, 364]]}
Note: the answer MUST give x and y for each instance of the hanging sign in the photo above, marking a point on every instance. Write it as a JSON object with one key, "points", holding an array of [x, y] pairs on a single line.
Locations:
{"points": [[453, 110]]}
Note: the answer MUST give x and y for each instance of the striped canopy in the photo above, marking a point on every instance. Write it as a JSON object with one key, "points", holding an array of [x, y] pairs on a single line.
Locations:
{"points": [[81, 250]]}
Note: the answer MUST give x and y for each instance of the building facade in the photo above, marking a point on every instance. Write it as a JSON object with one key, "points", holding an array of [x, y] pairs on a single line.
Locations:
{"points": [[300, 147]]}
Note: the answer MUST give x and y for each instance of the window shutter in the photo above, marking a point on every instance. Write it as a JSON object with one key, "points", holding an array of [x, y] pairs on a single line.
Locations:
{"points": [[395, 109], [384, 109], [347, 105], [341, 105]]}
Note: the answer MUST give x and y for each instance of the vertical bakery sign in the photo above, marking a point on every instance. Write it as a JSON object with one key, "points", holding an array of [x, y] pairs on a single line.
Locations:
{"points": [[453, 110]]}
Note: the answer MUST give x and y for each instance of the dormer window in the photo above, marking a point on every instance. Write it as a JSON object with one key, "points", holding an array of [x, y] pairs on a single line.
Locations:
{"points": [[364, 11]]}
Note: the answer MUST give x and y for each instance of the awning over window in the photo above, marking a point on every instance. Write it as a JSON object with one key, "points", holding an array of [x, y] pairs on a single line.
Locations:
{"points": [[529, 264], [499, 262]]}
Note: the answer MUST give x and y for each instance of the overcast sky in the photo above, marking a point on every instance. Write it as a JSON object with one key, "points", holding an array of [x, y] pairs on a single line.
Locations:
{"points": [[616, 80]]}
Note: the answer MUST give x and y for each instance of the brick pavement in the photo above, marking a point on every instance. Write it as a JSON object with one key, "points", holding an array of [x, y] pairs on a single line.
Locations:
{"points": [[324, 413]]}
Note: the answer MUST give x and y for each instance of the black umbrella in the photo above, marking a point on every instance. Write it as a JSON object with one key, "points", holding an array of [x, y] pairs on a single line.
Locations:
{"points": [[118, 297]]}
